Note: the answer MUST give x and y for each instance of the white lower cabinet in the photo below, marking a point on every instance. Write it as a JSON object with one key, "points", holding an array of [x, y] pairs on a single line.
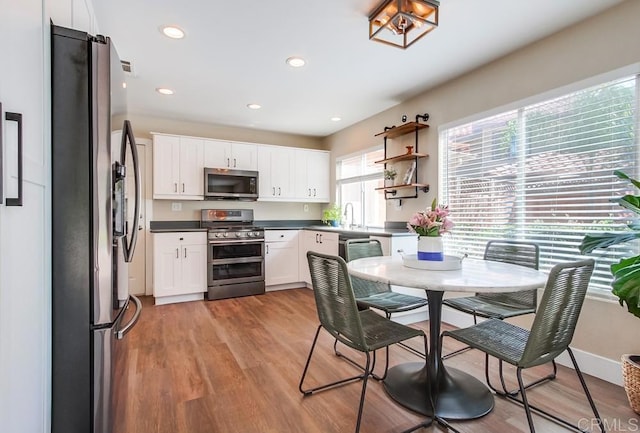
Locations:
{"points": [[281, 257], [179, 266], [318, 241], [391, 244]]}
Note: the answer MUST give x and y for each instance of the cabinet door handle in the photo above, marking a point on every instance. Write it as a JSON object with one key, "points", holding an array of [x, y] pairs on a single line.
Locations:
{"points": [[316, 238], [17, 117], [183, 187], [314, 192], [234, 163], [185, 253], [228, 163], [309, 192], [320, 238], [175, 187], [267, 249], [279, 191], [274, 190], [177, 253]]}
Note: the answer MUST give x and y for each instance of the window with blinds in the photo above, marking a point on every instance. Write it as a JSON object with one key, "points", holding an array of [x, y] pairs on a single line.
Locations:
{"points": [[544, 173]]}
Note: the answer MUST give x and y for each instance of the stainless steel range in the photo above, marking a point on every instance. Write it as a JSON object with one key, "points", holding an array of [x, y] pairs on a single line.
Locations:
{"points": [[235, 253]]}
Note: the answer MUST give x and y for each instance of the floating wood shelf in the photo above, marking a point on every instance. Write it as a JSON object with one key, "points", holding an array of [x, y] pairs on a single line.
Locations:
{"points": [[405, 157], [405, 128], [391, 189]]}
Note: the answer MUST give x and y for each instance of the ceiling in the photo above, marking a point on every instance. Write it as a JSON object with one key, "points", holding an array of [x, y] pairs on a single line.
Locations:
{"points": [[234, 54]]}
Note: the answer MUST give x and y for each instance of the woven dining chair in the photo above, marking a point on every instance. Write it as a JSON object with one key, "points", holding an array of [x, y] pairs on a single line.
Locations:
{"points": [[362, 330], [550, 335], [375, 294], [503, 305]]}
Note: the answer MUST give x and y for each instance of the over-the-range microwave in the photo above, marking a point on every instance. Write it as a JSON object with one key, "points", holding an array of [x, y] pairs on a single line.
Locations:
{"points": [[223, 183]]}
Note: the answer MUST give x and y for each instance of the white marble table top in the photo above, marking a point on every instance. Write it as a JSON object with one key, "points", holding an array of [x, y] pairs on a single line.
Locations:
{"points": [[474, 276]]}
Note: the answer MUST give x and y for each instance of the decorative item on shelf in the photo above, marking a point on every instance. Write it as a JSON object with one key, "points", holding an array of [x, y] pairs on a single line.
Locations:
{"points": [[626, 283], [332, 216], [389, 176], [408, 174], [400, 23], [409, 150], [430, 225]]}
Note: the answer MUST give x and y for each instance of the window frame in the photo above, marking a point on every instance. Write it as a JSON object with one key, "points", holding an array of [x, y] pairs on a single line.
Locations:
{"points": [[359, 179], [520, 106]]}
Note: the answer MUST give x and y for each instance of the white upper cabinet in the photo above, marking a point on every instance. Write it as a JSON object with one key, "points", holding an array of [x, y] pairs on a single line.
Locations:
{"points": [[226, 154], [288, 174], [312, 175], [178, 167], [276, 165]]}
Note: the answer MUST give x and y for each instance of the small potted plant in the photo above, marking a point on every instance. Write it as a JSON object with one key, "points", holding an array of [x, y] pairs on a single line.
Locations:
{"points": [[390, 176], [332, 216], [626, 282]]}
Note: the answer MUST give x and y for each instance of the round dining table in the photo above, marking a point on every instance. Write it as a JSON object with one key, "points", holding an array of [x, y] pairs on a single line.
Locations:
{"points": [[430, 387]]}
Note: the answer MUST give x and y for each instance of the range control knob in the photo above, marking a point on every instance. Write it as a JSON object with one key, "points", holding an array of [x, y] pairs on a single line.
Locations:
{"points": [[238, 234], [218, 235], [225, 234], [249, 234]]}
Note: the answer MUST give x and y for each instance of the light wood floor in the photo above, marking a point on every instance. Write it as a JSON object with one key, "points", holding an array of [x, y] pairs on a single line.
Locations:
{"points": [[233, 366]]}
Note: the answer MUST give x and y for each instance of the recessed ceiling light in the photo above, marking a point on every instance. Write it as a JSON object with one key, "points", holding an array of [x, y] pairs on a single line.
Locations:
{"points": [[173, 32], [336, 118], [296, 62], [164, 91], [254, 106]]}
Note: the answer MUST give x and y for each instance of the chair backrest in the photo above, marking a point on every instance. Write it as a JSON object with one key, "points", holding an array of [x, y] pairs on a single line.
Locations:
{"points": [[359, 248], [335, 301], [555, 322], [518, 253]]}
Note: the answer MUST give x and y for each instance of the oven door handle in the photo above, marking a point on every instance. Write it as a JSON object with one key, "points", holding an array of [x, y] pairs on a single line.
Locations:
{"points": [[236, 260], [236, 241]]}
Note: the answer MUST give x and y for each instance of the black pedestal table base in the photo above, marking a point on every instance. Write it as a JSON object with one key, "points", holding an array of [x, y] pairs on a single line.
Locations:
{"points": [[421, 386], [460, 396]]}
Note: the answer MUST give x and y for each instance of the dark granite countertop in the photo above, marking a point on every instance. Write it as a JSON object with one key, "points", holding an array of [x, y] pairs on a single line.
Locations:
{"points": [[175, 226], [390, 229]]}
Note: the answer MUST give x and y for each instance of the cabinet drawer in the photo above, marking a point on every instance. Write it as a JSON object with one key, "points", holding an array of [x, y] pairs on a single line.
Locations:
{"points": [[281, 235], [186, 238]]}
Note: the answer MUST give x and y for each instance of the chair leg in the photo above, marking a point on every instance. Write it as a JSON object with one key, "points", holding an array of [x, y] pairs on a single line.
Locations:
{"points": [[525, 402], [462, 349], [531, 408], [355, 364], [406, 346], [367, 372], [329, 385], [539, 381], [586, 390]]}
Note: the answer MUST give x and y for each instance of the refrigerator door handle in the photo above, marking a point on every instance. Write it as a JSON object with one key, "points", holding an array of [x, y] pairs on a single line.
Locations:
{"points": [[127, 137], [1, 163], [17, 117], [120, 333]]}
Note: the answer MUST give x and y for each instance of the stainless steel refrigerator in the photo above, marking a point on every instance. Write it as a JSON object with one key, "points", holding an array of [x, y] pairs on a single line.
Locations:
{"points": [[92, 144]]}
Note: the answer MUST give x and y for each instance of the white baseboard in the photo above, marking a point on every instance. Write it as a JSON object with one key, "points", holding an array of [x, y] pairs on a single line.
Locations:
{"points": [[592, 364], [163, 300], [287, 286]]}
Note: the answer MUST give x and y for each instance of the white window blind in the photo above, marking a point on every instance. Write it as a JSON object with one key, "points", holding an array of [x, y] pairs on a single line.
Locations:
{"points": [[544, 173]]}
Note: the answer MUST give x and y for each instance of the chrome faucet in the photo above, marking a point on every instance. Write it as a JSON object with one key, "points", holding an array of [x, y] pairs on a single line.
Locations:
{"points": [[346, 208]]}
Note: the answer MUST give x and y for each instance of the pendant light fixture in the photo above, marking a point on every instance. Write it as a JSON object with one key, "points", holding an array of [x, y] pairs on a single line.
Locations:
{"points": [[400, 23]]}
